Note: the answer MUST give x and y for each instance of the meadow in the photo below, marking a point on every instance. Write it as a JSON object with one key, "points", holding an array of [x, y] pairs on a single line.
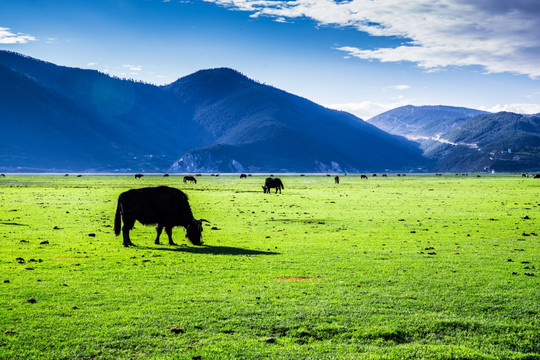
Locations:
{"points": [[416, 267]]}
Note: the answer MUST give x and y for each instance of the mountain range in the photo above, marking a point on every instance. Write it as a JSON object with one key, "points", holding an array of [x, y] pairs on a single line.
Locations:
{"points": [[62, 119], [466, 140], [56, 118]]}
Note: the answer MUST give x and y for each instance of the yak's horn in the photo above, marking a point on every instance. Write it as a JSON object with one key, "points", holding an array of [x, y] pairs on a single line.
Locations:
{"points": [[204, 220]]}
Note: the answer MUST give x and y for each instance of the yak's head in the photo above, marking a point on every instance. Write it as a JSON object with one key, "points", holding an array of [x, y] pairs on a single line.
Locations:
{"points": [[194, 231]]}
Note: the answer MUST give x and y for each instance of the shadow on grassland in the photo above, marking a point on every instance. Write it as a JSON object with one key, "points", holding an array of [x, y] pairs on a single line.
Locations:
{"points": [[212, 250]]}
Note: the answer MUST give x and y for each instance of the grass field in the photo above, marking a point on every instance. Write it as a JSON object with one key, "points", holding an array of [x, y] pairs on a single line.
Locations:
{"points": [[386, 268]]}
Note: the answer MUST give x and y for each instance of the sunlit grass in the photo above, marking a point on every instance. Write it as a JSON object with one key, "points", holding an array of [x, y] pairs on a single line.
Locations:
{"points": [[414, 267]]}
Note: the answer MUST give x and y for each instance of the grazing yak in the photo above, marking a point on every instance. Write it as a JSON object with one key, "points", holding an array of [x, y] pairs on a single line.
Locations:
{"points": [[138, 176], [190, 179], [162, 206], [363, 177], [243, 176], [273, 183], [336, 179]]}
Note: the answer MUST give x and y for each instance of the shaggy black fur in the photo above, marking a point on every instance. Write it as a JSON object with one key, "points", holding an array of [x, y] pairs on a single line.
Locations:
{"points": [[163, 206]]}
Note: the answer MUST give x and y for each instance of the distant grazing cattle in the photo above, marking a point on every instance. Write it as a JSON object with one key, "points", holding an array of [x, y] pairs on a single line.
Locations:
{"points": [[374, 174], [163, 206], [2, 175], [336, 179], [189, 178], [384, 175], [398, 174], [363, 177], [66, 175], [537, 176], [79, 175], [165, 175], [525, 175], [138, 176], [271, 182], [198, 174], [328, 175], [243, 176]]}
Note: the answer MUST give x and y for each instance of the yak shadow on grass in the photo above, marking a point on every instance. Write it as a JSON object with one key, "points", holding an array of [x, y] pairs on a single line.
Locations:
{"points": [[8, 223], [212, 250]]}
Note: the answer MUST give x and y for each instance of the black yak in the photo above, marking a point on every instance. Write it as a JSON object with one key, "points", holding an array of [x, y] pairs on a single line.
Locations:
{"points": [[363, 177], [190, 179], [336, 179], [138, 176], [273, 183], [243, 176], [162, 206]]}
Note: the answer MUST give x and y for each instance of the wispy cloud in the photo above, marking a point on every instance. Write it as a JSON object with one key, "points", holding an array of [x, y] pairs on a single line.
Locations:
{"points": [[398, 87], [500, 36], [516, 108], [133, 68], [9, 37], [365, 109]]}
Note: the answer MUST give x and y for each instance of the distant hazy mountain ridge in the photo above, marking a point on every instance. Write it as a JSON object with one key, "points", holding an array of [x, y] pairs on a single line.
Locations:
{"points": [[460, 139]]}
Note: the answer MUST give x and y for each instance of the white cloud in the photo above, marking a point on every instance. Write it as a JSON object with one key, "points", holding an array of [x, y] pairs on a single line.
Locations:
{"points": [[365, 109], [92, 64], [516, 108], [8, 37], [132, 67], [398, 87], [499, 35]]}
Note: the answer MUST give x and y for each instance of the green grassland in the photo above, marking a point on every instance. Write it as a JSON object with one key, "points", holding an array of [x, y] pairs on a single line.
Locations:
{"points": [[416, 267]]}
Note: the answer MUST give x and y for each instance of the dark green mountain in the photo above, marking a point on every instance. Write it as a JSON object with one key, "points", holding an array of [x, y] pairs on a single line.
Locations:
{"points": [[501, 142], [56, 118], [463, 140]]}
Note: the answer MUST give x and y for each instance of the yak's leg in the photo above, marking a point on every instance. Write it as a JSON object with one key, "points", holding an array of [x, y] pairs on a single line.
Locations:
{"points": [[128, 225], [159, 229], [168, 230], [125, 235]]}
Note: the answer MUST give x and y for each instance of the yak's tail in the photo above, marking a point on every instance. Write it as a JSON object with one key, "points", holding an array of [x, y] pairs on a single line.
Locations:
{"points": [[118, 219]]}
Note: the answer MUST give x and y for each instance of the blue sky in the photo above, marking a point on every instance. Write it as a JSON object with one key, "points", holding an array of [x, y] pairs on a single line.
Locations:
{"points": [[362, 56]]}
